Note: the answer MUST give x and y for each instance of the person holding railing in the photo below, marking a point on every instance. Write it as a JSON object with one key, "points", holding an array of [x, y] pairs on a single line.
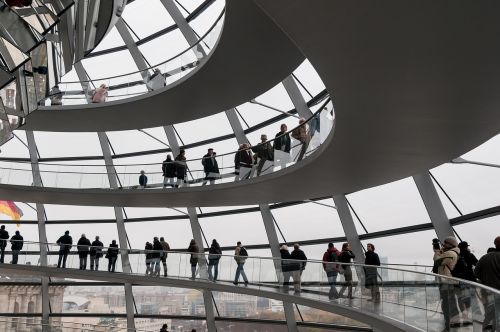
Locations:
{"points": [[17, 243], [4, 236], [95, 253], [263, 152], [181, 168], [243, 162], [210, 167], [346, 256], [299, 267], [193, 259], [65, 243], [282, 146], [112, 256], [166, 248], [371, 273], [83, 246], [214, 255], [301, 133], [100, 94], [168, 169]]}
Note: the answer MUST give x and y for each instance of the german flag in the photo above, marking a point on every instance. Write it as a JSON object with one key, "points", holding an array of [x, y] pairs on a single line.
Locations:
{"points": [[10, 209]]}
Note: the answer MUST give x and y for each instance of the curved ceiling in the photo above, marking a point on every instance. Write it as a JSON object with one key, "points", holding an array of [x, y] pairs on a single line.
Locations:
{"points": [[252, 56]]}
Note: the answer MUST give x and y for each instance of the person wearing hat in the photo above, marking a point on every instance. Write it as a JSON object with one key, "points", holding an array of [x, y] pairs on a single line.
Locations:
{"points": [[143, 180], [469, 259], [446, 258]]}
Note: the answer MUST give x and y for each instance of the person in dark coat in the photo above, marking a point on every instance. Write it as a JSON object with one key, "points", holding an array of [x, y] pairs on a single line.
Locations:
{"points": [[181, 168], [346, 256], [263, 152], [4, 236], [112, 256], [83, 247], [371, 273], [193, 260], [287, 266], [65, 243], [330, 259], [168, 169], [17, 243], [149, 257], [282, 145], [464, 299], [243, 160], [298, 267], [214, 254], [155, 262], [210, 167], [143, 180], [95, 253]]}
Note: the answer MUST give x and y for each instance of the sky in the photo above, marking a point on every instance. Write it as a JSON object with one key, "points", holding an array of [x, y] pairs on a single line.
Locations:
{"points": [[471, 187]]}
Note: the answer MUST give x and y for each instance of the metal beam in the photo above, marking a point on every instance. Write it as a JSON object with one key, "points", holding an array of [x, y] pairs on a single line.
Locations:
{"points": [[272, 237], [120, 224], [133, 49], [297, 99], [235, 123], [42, 231], [434, 206]]}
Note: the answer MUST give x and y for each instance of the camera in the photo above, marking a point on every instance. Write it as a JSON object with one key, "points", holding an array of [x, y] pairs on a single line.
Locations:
{"points": [[436, 244]]}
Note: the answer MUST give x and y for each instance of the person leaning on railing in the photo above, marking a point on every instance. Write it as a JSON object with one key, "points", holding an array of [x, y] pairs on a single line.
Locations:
{"points": [[112, 256], [301, 134], [243, 159], [95, 253], [263, 152]]}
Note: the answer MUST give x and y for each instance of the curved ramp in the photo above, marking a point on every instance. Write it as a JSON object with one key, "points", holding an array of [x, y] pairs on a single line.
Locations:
{"points": [[252, 56], [377, 321]]}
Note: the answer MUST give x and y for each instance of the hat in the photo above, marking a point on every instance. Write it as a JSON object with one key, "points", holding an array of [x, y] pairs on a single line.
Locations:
{"points": [[463, 244], [451, 241]]}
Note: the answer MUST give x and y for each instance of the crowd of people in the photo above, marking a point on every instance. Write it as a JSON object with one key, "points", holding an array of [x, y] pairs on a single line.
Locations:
{"points": [[259, 158]]}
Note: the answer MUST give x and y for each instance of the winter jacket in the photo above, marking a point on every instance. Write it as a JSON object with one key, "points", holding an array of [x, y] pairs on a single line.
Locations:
{"points": [[264, 151], [327, 258], [237, 257], [180, 166], [282, 142], [148, 249], [446, 261], [298, 254], [286, 264], [210, 164], [96, 248], [471, 262], [214, 253], [143, 180], [158, 249], [165, 247], [345, 257], [194, 250], [112, 251], [300, 133], [168, 168], [488, 269], [83, 244], [65, 243], [371, 258], [243, 158], [16, 242], [4, 236]]}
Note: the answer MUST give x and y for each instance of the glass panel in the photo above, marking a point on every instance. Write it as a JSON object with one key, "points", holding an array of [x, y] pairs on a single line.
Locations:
{"points": [[158, 17], [246, 306], [249, 327], [87, 299], [168, 301], [176, 232]]}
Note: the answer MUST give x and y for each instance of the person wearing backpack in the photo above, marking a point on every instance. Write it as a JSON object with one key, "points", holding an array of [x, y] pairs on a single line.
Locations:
{"points": [[446, 259], [330, 258], [240, 256]]}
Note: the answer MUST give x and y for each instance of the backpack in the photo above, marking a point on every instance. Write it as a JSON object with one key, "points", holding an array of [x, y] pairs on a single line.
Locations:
{"points": [[460, 269], [243, 252]]}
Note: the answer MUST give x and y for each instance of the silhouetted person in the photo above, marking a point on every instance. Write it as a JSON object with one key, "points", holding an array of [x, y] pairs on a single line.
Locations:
{"points": [[164, 328], [95, 253], [371, 273], [143, 180], [112, 256], [4, 236], [65, 243], [17, 3], [193, 260], [210, 167], [166, 248], [83, 247], [346, 256], [17, 243], [214, 254], [298, 267], [148, 254], [287, 266], [168, 169], [181, 168]]}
